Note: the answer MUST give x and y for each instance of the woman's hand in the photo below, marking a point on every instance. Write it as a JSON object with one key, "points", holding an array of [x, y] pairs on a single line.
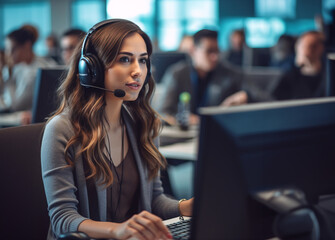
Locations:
{"points": [[142, 226], [186, 207]]}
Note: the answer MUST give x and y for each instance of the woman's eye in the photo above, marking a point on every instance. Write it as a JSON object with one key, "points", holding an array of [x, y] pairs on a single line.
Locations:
{"points": [[143, 61], [124, 59]]}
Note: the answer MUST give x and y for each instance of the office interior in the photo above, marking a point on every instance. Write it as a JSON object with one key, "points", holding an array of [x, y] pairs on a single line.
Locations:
{"points": [[166, 22]]}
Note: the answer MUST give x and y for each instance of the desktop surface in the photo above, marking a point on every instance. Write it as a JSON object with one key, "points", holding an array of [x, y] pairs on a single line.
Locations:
{"points": [[178, 144], [246, 149]]}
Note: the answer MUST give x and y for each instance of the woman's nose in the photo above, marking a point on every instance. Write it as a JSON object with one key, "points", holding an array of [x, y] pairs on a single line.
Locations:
{"points": [[136, 70]]}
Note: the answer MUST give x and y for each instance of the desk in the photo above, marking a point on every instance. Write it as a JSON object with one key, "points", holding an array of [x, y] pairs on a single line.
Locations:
{"points": [[180, 148], [10, 119], [178, 144], [185, 151]]}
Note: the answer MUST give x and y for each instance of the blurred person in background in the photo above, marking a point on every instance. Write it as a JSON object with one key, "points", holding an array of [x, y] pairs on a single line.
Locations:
{"points": [[34, 31], [234, 55], [206, 80], [307, 78], [69, 40], [283, 53], [186, 44], [19, 72], [53, 50]]}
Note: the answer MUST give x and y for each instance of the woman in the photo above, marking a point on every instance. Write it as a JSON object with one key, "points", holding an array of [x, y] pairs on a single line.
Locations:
{"points": [[100, 165]]}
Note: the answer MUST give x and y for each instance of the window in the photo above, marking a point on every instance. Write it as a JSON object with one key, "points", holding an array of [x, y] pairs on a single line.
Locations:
{"points": [[275, 8], [177, 18], [87, 13], [140, 12], [263, 32], [167, 20], [327, 7], [14, 15]]}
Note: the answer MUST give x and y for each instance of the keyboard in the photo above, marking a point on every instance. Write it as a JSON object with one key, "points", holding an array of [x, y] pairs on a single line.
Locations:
{"points": [[180, 230]]}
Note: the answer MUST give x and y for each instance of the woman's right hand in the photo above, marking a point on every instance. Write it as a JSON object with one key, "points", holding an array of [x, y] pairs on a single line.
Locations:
{"points": [[142, 226]]}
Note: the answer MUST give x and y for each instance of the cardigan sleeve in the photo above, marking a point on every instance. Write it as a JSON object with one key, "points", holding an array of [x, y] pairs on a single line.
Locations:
{"points": [[58, 178], [162, 205]]}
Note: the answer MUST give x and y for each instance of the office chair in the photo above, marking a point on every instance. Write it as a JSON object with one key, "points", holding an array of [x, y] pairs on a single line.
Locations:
{"points": [[23, 207], [297, 219]]}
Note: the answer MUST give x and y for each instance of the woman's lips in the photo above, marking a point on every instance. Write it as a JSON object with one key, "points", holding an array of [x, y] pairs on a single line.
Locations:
{"points": [[134, 86]]}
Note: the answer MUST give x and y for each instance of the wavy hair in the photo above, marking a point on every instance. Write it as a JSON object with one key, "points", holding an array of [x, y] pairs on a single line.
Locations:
{"points": [[85, 107]]}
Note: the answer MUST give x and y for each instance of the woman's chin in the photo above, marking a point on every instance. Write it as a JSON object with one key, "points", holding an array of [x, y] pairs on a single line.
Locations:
{"points": [[130, 97]]}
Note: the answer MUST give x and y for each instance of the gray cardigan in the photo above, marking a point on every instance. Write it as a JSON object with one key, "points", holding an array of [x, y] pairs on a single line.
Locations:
{"points": [[65, 187]]}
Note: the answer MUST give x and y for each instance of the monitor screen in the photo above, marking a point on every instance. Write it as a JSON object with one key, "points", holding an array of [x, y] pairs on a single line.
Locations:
{"points": [[45, 93], [161, 61], [256, 147]]}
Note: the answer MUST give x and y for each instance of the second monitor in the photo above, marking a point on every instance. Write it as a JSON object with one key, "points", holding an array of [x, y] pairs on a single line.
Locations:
{"points": [[246, 149], [45, 93]]}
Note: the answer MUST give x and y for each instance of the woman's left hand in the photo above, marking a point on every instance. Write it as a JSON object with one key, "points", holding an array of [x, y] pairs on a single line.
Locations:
{"points": [[186, 207]]}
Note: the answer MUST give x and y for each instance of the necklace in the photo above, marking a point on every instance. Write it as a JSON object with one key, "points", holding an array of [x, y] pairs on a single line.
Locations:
{"points": [[119, 178]]}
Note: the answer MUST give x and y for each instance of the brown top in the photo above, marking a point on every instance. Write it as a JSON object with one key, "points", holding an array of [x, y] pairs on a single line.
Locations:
{"points": [[123, 195]]}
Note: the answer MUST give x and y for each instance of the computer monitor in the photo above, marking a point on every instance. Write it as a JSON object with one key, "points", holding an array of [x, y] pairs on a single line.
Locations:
{"points": [[45, 93], [256, 57], [161, 61], [256, 147]]}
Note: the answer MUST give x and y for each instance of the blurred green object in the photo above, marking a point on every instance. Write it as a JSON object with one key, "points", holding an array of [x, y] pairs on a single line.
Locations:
{"points": [[185, 97]]}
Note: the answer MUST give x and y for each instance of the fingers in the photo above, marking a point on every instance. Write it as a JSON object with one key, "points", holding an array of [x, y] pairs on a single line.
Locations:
{"points": [[194, 119], [138, 231], [238, 98], [147, 226], [156, 223]]}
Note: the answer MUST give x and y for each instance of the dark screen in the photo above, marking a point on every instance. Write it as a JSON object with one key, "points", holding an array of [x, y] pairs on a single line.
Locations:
{"points": [[45, 94], [161, 61], [260, 147]]}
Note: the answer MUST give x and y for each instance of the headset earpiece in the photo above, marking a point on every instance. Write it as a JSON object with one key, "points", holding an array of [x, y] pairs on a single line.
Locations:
{"points": [[90, 69], [91, 72]]}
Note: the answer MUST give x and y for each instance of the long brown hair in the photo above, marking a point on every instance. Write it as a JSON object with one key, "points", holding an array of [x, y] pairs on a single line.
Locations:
{"points": [[85, 107]]}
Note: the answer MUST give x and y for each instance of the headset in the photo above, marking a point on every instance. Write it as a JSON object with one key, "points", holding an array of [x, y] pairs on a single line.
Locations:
{"points": [[91, 71]]}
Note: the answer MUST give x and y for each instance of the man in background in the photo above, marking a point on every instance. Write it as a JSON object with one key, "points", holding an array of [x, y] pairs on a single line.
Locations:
{"points": [[52, 45], [207, 80], [307, 78], [69, 41], [18, 73], [235, 53]]}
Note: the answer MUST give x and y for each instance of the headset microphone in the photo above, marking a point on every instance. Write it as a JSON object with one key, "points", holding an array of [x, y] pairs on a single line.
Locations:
{"points": [[117, 92]]}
